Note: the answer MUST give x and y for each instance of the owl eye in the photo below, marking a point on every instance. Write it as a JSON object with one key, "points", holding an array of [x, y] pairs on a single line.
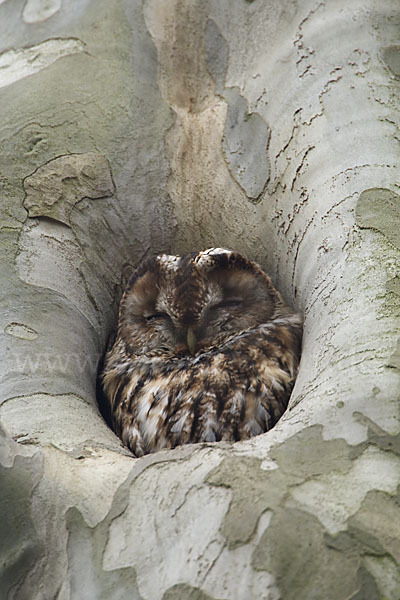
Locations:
{"points": [[155, 316], [229, 303]]}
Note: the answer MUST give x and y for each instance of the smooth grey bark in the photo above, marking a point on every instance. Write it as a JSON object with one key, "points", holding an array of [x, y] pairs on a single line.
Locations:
{"points": [[129, 128]]}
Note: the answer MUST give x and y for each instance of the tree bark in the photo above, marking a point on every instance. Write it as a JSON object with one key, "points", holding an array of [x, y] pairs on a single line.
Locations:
{"points": [[130, 128]]}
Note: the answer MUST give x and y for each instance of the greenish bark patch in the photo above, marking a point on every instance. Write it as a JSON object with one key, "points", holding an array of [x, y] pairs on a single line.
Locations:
{"points": [[383, 440], [246, 135], [85, 564], [246, 139], [217, 52], [302, 456], [294, 550], [373, 535], [379, 519], [393, 286], [377, 436], [182, 591], [379, 209], [354, 541], [307, 562], [20, 547], [307, 454], [394, 360], [247, 480], [391, 56]]}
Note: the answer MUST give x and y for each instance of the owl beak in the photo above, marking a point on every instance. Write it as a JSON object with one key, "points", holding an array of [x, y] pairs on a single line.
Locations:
{"points": [[191, 340]]}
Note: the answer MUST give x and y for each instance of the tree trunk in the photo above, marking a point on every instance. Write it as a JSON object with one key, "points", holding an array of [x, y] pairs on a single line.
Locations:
{"points": [[130, 128]]}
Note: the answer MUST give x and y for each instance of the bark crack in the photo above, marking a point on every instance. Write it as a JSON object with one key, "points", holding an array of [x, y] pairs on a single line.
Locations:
{"points": [[301, 165]]}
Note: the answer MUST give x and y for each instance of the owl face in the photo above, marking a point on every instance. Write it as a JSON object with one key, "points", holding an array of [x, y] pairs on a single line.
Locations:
{"points": [[186, 305]]}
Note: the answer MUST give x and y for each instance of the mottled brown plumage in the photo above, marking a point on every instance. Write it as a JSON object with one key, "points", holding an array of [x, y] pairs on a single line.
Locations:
{"points": [[206, 350]]}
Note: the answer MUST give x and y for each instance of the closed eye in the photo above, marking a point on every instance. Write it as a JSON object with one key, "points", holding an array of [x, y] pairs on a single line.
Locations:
{"points": [[229, 303], [155, 316]]}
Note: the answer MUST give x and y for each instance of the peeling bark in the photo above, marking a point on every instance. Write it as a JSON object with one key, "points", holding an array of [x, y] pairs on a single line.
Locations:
{"points": [[133, 128]]}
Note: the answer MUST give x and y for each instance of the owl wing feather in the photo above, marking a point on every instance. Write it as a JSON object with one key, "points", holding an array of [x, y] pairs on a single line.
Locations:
{"points": [[230, 392]]}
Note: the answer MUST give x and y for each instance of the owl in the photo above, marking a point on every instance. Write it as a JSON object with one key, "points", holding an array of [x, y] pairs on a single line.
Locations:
{"points": [[206, 350]]}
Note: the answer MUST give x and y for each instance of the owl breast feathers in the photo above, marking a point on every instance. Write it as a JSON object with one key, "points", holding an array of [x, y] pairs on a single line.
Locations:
{"points": [[206, 350]]}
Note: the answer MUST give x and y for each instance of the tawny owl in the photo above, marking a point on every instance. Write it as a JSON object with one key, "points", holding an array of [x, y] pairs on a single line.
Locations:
{"points": [[206, 350]]}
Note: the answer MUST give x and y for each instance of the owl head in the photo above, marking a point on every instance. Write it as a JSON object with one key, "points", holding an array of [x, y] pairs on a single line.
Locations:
{"points": [[189, 304]]}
